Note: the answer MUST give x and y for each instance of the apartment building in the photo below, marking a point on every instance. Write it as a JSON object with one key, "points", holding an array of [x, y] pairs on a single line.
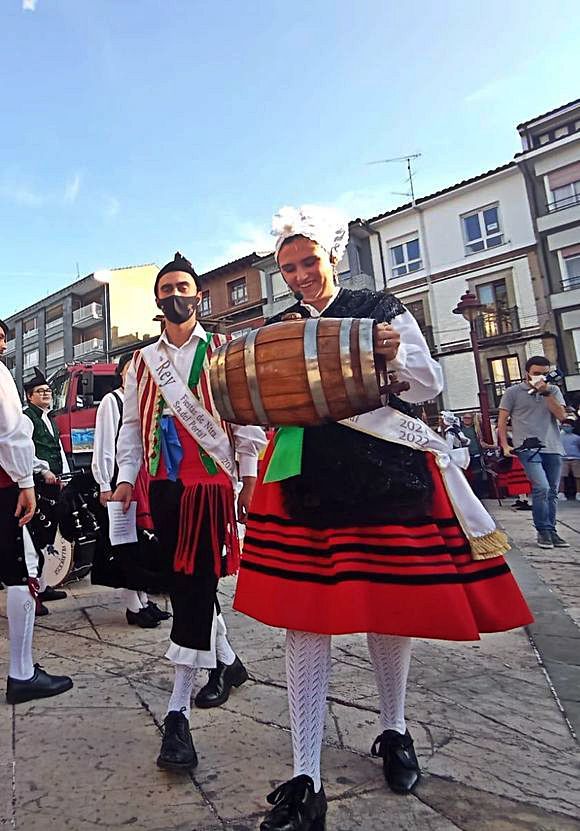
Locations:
{"points": [[550, 165], [233, 296], [477, 234], [93, 319]]}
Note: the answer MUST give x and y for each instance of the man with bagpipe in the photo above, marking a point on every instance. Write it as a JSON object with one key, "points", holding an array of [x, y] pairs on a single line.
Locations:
{"points": [[20, 561]]}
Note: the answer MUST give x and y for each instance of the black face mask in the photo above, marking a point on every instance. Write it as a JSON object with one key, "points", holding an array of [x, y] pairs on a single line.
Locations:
{"points": [[178, 308]]}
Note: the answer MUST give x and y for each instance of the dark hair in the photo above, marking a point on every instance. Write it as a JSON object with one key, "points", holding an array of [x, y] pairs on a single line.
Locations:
{"points": [[123, 361], [537, 360], [178, 263]]}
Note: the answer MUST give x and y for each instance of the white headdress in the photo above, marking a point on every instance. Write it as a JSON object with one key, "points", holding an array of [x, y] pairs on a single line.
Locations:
{"points": [[326, 226]]}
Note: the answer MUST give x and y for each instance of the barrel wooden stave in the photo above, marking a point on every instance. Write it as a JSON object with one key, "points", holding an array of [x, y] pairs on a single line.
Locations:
{"points": [[276, 367]]}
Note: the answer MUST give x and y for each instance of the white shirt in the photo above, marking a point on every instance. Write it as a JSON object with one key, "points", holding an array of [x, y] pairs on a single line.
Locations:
{"points": [[248, 440], [106, 427], [16, 447], [413, 362], [54, 431]]}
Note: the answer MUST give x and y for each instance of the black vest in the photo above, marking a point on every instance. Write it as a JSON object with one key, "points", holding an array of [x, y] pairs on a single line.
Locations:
{"points": [[46, 444]]}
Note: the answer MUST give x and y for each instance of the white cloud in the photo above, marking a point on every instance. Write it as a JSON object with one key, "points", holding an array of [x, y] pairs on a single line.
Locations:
{"points": [[112, 207], [22, 195], [72, 188], [29, 5], [495, 89], [246, 238]]}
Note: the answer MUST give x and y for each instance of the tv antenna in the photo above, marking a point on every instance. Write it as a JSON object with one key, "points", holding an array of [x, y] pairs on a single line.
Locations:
{"points": [[407, 159]]}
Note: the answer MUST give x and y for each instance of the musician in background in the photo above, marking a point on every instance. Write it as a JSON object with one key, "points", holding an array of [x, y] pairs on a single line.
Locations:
{"points": [[190, 459], [48, 447], [353, 531], [19, 560], [140, 611]]}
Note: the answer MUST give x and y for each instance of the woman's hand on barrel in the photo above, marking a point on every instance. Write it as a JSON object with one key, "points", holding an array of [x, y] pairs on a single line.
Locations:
{"points": [[123, 493], [245, 498], [386, 341]]}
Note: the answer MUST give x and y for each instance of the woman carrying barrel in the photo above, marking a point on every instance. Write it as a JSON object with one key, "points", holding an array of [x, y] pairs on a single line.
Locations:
{"points": [[363, 536]]}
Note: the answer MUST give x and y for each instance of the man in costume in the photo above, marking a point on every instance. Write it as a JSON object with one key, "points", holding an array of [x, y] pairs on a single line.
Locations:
{"points": [[48, 448], [19, 560], [140, 611], [169, 420], [358, 533]]}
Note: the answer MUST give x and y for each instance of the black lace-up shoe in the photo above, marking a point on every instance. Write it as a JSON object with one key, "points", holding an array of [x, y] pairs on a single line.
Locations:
{"points": [[221, 680], [177, 750], [41, 685], [142, 618], [296, 807], [557, 541], [51, 594], [400, 765], [156, 612]]}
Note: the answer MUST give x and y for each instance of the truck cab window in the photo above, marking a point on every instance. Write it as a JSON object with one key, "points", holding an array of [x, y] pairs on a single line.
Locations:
{"points": [[60, 386]]}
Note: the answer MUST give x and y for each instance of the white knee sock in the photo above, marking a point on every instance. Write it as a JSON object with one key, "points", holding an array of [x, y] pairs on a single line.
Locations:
{"points": [[182, 689], [391, 656], [131, 600], [143, 599], [20, 608], [308, 673], [223, 650], [42, 584]]}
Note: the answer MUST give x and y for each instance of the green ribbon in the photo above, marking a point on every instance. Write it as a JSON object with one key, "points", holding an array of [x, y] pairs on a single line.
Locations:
{"points": [[286, 458]]}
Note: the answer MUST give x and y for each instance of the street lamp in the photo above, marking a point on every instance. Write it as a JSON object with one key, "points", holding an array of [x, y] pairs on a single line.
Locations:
{"points": [[470, 307], [104, 276]]}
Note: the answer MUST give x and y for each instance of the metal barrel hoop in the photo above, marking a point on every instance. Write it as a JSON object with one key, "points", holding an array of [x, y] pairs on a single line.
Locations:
{"points": [[367, 360], [220, 391], [312, 365], [252, 376]]}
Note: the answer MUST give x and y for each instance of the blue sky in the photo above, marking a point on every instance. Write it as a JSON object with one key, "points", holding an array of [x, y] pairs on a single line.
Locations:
{"points": [[131, 128]]}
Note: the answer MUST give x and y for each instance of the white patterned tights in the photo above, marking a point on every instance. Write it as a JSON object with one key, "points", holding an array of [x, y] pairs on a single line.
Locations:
{"points": [[308, 674]]}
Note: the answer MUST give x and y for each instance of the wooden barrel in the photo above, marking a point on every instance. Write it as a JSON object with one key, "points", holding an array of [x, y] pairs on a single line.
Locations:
{"points": [[300, 372]]}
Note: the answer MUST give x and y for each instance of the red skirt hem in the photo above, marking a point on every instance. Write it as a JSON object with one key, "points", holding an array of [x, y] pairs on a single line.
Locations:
{"points": [[416, 579]]}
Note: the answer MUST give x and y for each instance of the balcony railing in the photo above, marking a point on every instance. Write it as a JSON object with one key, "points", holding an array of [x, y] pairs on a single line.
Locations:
{"points": [[54, 324], [87, 314], [569, 283], [498, 323], [88, 347], [495, 390], [564, 202]]}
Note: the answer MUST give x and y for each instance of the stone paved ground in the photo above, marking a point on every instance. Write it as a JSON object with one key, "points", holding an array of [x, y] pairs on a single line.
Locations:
{"points": [[496, 749]]}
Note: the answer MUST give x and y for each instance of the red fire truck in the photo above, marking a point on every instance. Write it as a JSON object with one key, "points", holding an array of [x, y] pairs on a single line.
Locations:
{"points": [[77, 391]]}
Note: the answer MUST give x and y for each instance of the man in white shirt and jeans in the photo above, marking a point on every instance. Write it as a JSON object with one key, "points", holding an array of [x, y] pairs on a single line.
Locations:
{"points": [[536, 408]]}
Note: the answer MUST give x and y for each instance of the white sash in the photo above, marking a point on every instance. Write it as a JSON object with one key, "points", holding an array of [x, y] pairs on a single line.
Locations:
{"points": [[192, 415], [390, 425]]}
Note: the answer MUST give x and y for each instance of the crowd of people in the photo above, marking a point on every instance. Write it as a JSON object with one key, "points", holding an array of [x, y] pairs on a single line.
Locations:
{"points": [[362, 526]]}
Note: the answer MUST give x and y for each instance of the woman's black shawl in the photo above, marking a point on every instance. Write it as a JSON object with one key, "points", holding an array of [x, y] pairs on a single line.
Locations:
{"points": [[349, 478]]}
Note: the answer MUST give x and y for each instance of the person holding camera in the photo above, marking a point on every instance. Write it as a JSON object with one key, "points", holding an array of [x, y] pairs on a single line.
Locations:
{"points": [[536, 407]]}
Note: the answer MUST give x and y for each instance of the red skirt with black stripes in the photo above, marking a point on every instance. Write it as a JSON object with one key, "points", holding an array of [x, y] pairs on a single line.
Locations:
{"points": [[416, 579]]}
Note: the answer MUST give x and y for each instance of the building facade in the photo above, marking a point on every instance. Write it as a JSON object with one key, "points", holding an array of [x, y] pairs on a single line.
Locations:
{"points": [[233, 296], [92, 319], [550, 165], [476, 235]]}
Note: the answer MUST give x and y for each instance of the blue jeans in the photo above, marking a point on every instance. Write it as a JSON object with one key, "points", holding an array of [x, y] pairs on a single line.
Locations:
{"points": [[543, 471]]}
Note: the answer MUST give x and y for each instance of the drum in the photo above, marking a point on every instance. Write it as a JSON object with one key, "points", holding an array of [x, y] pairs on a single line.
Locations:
{"points": [[58, 561], [301, 372], [77, 521]]}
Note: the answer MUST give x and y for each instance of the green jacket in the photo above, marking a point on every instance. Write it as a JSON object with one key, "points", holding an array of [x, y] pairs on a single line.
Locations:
{"points": [[46, 444]]}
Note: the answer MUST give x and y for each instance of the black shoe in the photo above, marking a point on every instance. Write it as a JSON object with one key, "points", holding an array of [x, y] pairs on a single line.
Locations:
{"points": [[544, 539], [155, 612], [296, 807], [557, 541], [41, 685], [221, 680], [51, 594], [142, 618], [40, 610], [400, 765], [522, 505], [177, 750]]}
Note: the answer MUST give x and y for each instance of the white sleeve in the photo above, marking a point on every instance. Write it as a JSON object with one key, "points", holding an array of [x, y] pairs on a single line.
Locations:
{"points": [[414, 362], [16, 447], [249, 442], [106, 425], [65, 464], [129, 443]]}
